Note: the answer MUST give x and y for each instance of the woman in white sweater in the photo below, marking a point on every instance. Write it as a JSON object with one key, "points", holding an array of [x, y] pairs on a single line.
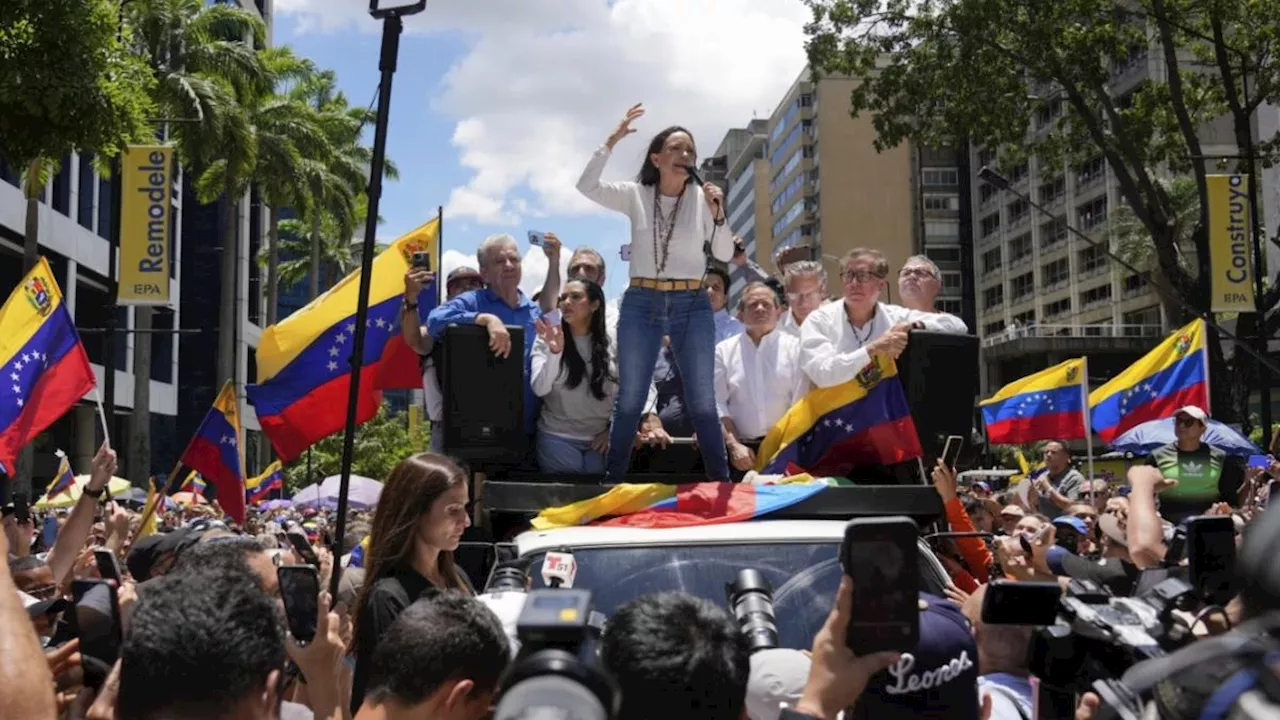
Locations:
{"points": [[574, 371], [673, 220]]}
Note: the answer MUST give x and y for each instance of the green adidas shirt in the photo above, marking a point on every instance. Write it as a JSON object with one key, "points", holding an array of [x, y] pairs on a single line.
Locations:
{"points": [[1205, 476]]}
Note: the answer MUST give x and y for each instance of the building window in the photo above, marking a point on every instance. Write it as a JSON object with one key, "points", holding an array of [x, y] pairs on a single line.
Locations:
{"points": [[1057, 309], [943, 254], [1092, 214], [1056, 273], [951, 282], [986, 157], [1090, 171], [787, 193], [1095, 296], [993, 297], [991, 261], [1023, 286], [1133, 285], [986, 192], [1018, 211], [990, 224], [1053, 191], [1140, 323], [942, 230], [941, 202], [1019, 172], [940, 176], [84, 201], [1053, 232], [947, 305], [1020, 248], [1025, 318], [1093, 259], [994, 328], [1048, 112]]}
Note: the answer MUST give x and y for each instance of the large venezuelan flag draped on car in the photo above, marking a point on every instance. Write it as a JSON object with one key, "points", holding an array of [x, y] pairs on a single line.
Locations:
{"points": [[656, 505], [1173, 375], [304, 366], [46, 369], [860, 423]]}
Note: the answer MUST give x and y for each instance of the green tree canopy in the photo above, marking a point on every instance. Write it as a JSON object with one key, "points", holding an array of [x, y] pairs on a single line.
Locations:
{"points": [[380, 444]]}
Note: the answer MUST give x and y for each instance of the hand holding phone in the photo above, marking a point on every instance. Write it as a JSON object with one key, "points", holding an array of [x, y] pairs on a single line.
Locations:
{"points": [[951, 451], [536, 238], [880, 555], [422, 260], [302, 546], [108, 565], [300, 591]]}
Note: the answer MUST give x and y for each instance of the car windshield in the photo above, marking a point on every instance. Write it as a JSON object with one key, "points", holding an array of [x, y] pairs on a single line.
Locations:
{"points": [[804, 577]]}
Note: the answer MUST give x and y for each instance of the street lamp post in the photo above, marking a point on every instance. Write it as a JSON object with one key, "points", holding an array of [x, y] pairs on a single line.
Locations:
{"points": [[392, 14]]}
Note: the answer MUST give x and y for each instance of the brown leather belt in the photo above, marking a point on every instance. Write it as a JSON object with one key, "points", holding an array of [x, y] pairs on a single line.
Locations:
{"points": [[666, 285]]}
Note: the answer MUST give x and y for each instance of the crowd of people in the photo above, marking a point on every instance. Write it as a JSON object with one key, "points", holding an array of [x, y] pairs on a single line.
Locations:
{"points": [[194, 622]]}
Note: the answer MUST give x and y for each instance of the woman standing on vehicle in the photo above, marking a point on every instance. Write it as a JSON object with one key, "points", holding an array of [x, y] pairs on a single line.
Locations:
{"points": [[421, 516], [672, 221], [575, 373]]}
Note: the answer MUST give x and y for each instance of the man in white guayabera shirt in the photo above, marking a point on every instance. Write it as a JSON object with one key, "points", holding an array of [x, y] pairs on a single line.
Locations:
{"points": [[839, 339], [758, 376], [806, 285]]}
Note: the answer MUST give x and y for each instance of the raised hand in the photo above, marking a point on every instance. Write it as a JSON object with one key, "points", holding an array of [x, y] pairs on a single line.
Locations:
{"points": [[624, 128]]}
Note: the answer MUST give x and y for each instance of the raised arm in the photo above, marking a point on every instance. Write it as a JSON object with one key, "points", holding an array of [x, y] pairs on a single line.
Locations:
{"points": [[613, 195], [715, 224]]}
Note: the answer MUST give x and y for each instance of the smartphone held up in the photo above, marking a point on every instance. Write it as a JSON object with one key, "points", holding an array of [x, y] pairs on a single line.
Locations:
{"points": [[881, 557]]}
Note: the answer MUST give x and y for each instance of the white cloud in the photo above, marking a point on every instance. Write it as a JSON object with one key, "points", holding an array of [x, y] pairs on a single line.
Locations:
{"points": [[544, 83], [534, 266]]}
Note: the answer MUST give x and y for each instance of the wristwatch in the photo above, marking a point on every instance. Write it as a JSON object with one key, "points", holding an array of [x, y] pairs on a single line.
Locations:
{"points": [[406, 305], [95, 494]]}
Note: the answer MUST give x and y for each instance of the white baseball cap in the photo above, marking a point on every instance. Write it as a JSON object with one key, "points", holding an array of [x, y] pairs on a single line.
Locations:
{"points": [[1193, 411]]}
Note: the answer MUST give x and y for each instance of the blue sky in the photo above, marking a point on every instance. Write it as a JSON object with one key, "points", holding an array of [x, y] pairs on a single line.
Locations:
{"points": [[497, 104]]}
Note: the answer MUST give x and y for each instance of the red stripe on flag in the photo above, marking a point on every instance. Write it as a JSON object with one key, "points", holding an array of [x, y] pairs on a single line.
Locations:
{"points": [[320, 413], [710, 503], [59, 388], [1157, 409], [401, 366], [1050, 426], [890, 442], [206, 458]]}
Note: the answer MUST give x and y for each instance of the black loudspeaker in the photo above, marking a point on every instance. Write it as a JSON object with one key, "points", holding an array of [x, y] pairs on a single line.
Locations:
{"points": [[483, 397], [940, 375]]}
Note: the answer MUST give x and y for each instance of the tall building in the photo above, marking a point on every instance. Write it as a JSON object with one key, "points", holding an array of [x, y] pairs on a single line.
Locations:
{"points": [[746, 169], [1044, 294], [810, 177]]}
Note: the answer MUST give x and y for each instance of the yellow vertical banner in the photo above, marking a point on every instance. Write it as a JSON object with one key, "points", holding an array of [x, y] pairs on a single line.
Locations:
{"points": [[146, 214], [1230, 228]]}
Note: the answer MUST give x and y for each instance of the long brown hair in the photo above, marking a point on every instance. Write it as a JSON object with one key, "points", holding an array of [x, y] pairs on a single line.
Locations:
{"points": [[411, 489]]}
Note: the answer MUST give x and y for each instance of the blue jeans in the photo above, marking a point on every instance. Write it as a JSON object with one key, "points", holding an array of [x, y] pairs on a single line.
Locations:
{"points": [[567, 456], [646, 315]]}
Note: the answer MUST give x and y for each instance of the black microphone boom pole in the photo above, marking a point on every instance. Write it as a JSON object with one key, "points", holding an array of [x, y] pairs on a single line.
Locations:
{"points": [[392, 26]]}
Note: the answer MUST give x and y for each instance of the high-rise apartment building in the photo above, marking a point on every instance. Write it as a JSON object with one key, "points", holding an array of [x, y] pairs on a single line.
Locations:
{"points": [[809, 177], [746, 170]]}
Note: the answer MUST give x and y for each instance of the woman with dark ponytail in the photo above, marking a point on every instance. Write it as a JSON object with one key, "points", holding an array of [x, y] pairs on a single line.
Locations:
{"points": [[575, 371], [673, 222]]}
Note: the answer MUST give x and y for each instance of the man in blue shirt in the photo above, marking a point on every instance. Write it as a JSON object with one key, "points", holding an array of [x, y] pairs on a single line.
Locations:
{"points": [[499, 304]]}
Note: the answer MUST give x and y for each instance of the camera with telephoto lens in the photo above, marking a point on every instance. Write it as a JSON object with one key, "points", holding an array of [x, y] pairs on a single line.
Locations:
{"points": [[751, 600], [558, 672]]}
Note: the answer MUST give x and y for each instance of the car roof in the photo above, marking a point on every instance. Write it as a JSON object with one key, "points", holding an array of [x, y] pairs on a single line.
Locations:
{"points": [[755, 531]]}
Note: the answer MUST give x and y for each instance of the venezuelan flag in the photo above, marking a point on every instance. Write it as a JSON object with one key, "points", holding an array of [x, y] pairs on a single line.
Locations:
{"points": [[194, 484], [860, 423], [45, 366], [657, 505], [304, 360], [713, 503], [1048, 405], [260, 487], [214, 453], [64, 480], [1173, 375]]}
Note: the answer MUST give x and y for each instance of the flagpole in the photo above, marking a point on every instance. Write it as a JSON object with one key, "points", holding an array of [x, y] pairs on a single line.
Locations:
{"points": [[1204, 352], [1088, 423], [102, 416]]}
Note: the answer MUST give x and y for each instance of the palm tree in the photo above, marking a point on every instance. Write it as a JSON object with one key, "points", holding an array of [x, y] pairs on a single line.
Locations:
{"points": [[1135, 246], [335, 185], [203, 68]]}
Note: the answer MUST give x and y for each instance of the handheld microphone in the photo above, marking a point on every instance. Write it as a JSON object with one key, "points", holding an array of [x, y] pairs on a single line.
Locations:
{"points": [[559, 570], [693, 173]]}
